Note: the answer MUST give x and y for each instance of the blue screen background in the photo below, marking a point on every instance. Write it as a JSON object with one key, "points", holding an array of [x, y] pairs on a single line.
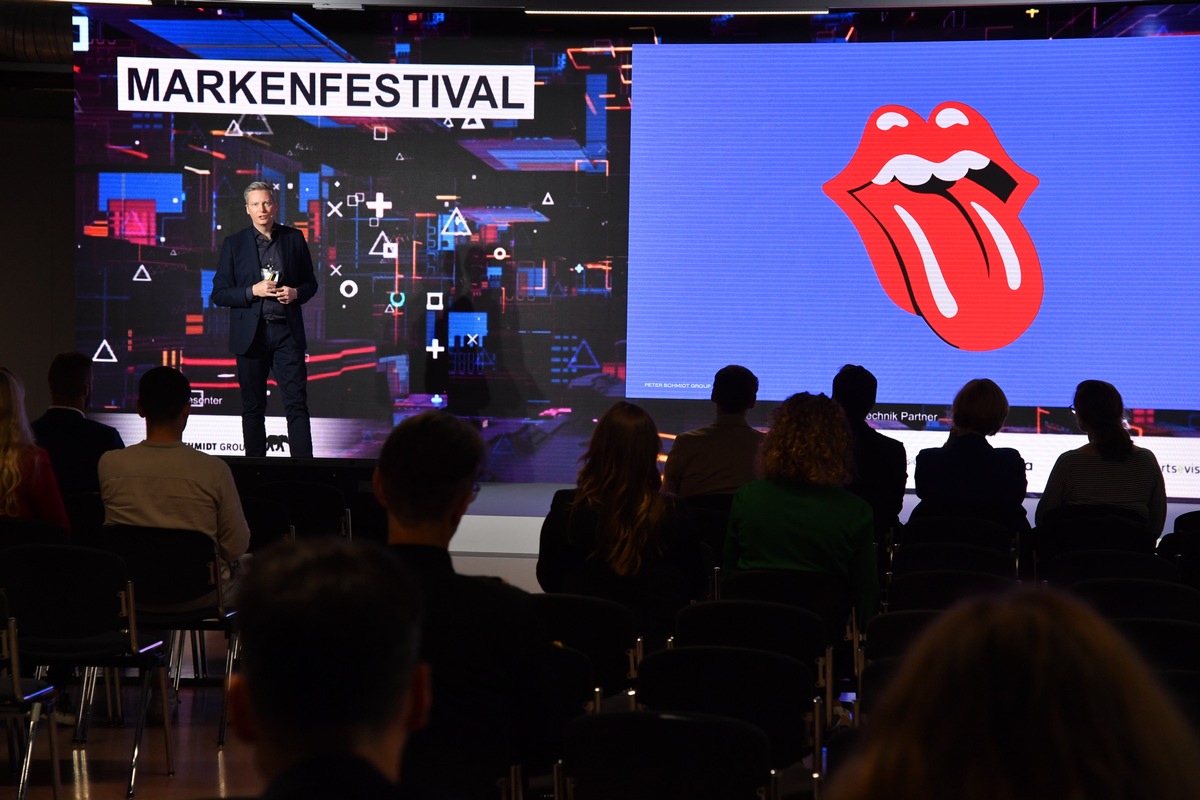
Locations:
{"points": [[738, 256]]}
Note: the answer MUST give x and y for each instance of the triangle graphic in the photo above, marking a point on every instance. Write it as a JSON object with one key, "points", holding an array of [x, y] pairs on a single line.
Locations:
{"points": [[133, 224], [142, 275], [547, 200], [557, 290], [401, 157], [447, 123], [456, 225], [234, 129], [381, 241], [104, 353], [586, 350], [174, 252], [473, 124], [503, 446], [255, 125], [197, 137]]}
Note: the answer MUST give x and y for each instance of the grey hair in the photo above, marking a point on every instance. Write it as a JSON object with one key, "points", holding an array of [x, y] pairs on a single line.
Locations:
{"points": [[257, 186]]}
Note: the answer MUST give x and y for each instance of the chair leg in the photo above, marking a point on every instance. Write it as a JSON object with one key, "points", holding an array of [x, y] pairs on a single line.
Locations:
{"points": [[55, 756], [87, 692], [35, 714], [143, 703], [198, 636], [230, 659], [165, 699]]}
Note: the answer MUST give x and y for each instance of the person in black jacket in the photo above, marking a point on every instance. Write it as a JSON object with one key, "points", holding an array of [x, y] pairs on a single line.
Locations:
{"points": [[74, 442]]}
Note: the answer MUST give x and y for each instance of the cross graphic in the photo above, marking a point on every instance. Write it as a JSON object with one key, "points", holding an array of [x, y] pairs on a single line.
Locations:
{"points": [[378, 205]]}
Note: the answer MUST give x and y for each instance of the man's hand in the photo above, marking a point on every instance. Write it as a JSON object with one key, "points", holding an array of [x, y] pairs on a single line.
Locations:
{"points": [[264, 288], [286, 294]]}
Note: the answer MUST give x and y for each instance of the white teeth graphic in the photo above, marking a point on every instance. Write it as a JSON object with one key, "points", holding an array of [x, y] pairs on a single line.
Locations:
{"points": [[947, 306], [914, 171]]}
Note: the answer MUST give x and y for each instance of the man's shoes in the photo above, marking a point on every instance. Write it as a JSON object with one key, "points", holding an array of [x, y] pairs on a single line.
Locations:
{"points": [[66, 718]]}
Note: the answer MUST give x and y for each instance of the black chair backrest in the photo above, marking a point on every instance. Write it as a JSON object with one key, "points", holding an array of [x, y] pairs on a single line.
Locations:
{"points": [[1090, 529], [826, 595], [875, 678], [64, 591], [709, 517], [650, 755], [925, 556], [940, 589], [961, 530], [1083, 565], [780, 628], [773, 692], [86, 512], [889, 635], [168, 566], [1182, 548], [1139, 597], [15, 531], [601, 629]]}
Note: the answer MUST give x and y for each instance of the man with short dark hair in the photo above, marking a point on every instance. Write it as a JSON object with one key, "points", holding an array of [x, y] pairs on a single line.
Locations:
{"points": [[480, 637], [880, 463], [264, 275], [721, 457], [74, 442], [162, 482], [330, 686]]}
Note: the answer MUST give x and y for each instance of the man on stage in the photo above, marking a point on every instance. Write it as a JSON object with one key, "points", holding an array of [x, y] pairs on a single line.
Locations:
{"points": [[264, 275]]}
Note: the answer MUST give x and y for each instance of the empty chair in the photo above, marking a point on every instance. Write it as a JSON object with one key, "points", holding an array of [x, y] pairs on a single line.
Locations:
{"points": [[779, 628], [1138, 597], [940, 589], [314, 509], [827, 596], [86, 512], [25, 699], [1188, 522], [1083, 565], [76, 610], [1182, 548], [651, 755], [960, 530], [1065, 533], [601, 629], [770, 691], [268, 520], [925, 556], [708, 517], [885, 641], [176, 575]]}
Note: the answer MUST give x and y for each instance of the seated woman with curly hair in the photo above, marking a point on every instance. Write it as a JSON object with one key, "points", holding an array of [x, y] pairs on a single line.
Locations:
{"points": [[616, 536], [798, 516]]}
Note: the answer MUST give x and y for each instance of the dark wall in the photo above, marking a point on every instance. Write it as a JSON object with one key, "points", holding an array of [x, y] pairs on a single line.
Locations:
{"points": [[37, 273]]}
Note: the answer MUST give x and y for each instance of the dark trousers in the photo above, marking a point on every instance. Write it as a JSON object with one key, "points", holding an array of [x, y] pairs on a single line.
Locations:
{"points": [[274, 351]]}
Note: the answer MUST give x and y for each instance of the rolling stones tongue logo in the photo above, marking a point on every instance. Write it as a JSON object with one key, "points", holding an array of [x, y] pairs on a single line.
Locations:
{"points": [[936, 204]]}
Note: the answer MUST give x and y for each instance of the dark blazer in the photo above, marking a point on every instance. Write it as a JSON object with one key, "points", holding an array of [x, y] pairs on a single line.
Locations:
{"points": [[238, 270], [75, 444], [968, 477], [880, 474]]}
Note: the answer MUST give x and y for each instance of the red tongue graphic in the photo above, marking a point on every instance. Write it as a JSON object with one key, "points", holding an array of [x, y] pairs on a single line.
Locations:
{"points": [[959, 257], [951, 264]]}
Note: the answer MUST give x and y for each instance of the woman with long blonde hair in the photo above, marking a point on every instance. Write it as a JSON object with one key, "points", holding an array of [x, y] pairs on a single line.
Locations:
{"points": [[27, 485], [616, 535]]}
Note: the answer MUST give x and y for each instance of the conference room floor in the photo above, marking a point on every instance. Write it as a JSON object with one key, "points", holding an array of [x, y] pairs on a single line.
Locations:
{"points": [[99, 770]]}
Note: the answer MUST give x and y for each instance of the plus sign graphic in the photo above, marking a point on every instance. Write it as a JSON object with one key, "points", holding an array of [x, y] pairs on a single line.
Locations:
{"points": [[435, 347], [378, 205]]}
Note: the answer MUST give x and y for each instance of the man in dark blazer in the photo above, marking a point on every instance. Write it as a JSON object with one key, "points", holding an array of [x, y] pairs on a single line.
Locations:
{"points": [[264, 275], [74, 442]]}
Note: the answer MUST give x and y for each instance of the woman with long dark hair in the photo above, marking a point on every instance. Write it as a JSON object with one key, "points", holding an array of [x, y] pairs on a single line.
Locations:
{"points": [[615, 535], [1110, 470], [28, 488]]}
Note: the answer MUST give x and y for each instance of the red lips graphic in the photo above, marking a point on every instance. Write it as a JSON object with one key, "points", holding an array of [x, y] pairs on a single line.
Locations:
{"points": [[936, 204]]}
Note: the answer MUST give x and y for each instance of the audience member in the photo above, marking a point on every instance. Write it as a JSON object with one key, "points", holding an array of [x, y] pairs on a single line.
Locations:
{"points": [[966, 476], [880, 469], [718, 458], [480, 637], [27, 486], [615, 535], [162, 482], [798, 516], [74, 442], [1110, 470], [1028, 696], [330, 687]]}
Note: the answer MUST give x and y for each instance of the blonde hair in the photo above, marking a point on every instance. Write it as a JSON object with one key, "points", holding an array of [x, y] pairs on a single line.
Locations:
{"points": [[15, 439], [619, 480], [809, 441]]}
